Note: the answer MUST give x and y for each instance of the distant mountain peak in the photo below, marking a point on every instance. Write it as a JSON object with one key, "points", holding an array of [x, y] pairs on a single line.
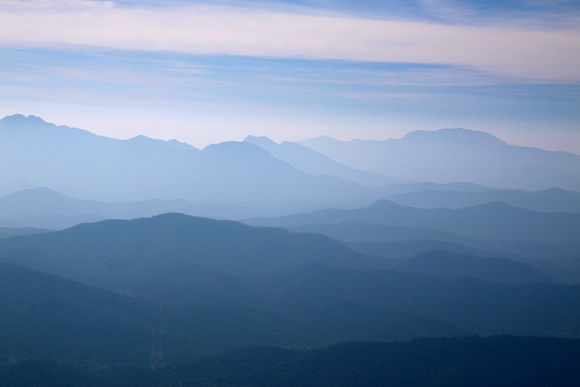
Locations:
{"points": [[234, 147], [33, 125], [140, 137], [448, 134], [40, 192], [259, 140], [497, 205], [324, 138], [20, 119], [142, 140], [385, 204], [457, 134]]}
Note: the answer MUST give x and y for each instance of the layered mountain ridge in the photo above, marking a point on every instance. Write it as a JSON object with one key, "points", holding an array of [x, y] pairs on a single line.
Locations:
{"points": [[309, 279], [456, 155], [165, 253], [260, 173], [34, 153]]}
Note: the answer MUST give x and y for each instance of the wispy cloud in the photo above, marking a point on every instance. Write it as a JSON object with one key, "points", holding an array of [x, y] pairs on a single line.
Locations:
{"points": [[205, 71], [523, 51]]}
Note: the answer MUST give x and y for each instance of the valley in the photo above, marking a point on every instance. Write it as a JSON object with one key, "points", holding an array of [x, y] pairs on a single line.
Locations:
{"points": [[146, 262]]}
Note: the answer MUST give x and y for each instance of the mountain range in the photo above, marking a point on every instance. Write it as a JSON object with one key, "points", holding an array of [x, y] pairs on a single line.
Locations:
{"points": [[48, 209], [260, 173], [141, 261], [306, 278], [492, 221], [175, 253], [306, 160], [547, 241], [549, 200], [79, 164], [448, 155]]}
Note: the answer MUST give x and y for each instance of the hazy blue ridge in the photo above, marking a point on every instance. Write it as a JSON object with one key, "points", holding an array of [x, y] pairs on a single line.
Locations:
{"points": [[43, 207], [46, 208], [449, 155], [6, 232], [550, 200], [490, 221], [82, 165], [34, 153], [314, 163], [118, 266]]}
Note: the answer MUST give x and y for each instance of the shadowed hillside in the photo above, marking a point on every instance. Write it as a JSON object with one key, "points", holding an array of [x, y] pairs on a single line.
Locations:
{"points": [[309, 279], [174, 255], [467, 361]]}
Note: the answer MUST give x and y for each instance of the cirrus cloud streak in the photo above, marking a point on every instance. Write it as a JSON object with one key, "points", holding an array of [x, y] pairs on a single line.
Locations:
{"points": [[524, 51]]}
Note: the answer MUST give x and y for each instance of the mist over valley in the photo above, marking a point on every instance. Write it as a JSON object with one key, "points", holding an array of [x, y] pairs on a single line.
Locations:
{"points": [[164, 261]]}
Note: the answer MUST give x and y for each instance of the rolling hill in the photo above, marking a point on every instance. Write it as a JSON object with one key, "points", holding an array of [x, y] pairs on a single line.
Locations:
{"points": [[50, 318], [175, 257], [445, 264], [302, 280]]}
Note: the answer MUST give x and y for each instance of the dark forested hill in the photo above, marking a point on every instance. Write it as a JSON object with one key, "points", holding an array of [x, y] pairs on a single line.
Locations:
{"points": [[47, 317], [466, 361], [186, 287], [50, 318], [447, 264], [175, 255], [467, 303], [308, 278], [469, 361]]}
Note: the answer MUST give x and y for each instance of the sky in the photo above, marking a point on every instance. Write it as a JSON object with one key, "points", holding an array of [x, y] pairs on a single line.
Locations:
{"points": [[203, 72]]}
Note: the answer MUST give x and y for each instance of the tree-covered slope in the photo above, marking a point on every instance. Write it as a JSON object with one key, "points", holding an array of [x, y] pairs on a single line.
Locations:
{"points": [[175, 257], [466, 361]]}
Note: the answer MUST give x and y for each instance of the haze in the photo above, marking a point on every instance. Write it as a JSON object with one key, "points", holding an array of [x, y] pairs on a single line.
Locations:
{"points": [[289, 193], [204, 72]]}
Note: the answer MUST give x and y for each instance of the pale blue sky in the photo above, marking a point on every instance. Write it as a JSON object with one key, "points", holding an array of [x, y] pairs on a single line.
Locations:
{"points": [[204, 72]]}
